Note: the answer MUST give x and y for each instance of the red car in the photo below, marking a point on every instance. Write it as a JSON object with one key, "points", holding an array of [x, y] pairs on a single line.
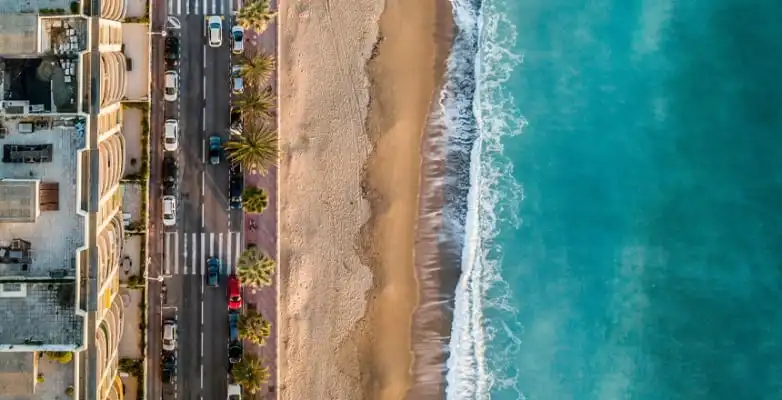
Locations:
{"points": [[234, 293]]}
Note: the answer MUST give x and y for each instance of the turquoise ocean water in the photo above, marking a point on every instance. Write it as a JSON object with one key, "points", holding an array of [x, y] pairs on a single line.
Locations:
{"points": [[622, 231]]}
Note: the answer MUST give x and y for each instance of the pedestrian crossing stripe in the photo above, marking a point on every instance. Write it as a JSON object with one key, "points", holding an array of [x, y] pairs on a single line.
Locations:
{"points": [[203, 7], [196, 248]]}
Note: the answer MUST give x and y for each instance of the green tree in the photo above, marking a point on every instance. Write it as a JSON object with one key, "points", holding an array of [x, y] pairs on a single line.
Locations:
{"points": [[255, 149], [254, 328], [257, 70], [250, 374], [257, 104], [63, 357], [256, 15], [255, 269], [254, 199]]}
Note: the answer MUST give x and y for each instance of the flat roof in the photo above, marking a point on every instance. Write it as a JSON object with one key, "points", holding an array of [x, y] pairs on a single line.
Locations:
{"points": [[18, 200], [45, 315], [37, 280], [18, 33]]}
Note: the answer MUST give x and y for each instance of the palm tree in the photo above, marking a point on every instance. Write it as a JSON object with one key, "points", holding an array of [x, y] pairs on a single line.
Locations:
{"points": [[255, 269], [256, 15], [250, 374], [258, 103], [255, 149], [257, 70], [254, 328], [254, 199]]}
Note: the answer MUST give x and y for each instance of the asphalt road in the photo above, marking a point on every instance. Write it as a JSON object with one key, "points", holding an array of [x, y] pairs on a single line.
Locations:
{"points": [[205, 226]]}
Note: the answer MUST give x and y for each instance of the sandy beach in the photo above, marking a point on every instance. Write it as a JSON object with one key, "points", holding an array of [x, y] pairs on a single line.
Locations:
{"points": [[350, 137]]}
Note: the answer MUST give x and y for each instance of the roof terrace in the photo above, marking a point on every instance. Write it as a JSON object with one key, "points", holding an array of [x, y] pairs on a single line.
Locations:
{"points": [[38, 177], [46, 84], [40, 232]]}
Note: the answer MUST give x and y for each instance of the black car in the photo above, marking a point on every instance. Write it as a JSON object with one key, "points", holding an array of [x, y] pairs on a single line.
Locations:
{"points": [[235, 351], [169, 367], [172, 51], [236, 186], [169, 175], [236, 119]]}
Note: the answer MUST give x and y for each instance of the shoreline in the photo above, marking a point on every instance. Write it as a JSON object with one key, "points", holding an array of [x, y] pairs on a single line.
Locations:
{"points": [[407, 72], [357, 86]]}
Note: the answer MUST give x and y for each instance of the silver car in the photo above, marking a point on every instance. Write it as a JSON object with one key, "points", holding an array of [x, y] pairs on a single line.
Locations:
{"points": [[171, 90], [169, 335]]}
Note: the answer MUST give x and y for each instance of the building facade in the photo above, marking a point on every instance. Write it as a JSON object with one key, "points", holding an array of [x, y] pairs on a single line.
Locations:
{"points": [[61, 226]]}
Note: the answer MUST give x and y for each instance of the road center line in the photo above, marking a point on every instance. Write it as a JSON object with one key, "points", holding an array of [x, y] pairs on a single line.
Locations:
{"points": [[202, 376], [203, 118], [203, 151], [203, 182], [204, 61], [202, 215]]}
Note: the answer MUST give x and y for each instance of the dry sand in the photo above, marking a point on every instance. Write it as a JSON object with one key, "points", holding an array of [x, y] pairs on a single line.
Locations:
{"points": [[349, 182]]}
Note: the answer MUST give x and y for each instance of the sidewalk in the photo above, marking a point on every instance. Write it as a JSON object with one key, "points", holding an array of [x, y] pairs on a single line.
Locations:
{"points": [[265, 236]]}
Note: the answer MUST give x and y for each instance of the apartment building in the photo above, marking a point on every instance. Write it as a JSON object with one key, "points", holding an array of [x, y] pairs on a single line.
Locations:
{"points": [[61, 228]]}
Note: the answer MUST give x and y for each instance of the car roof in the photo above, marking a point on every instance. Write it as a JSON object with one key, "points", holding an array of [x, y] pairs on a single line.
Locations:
{"points": [[215, 19]]}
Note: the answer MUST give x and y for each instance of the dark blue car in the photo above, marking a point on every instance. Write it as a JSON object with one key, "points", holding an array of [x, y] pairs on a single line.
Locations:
{"points": [[213, 271]]}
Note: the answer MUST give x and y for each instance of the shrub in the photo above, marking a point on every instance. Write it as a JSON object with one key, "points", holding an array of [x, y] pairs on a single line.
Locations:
{"points": [[63, 357]]}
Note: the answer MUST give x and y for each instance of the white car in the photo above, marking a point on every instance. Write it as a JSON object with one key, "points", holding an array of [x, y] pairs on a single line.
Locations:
{"points": [[169, 210], [171, 91], [237, 37], [237, 83], [215, 31], [234, 392], [169, 335], [171, 135]]}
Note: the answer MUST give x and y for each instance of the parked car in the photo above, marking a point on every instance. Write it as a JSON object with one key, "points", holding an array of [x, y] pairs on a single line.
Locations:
{"points": [[172, 51], [235, 188], [236, 121], [169, 335], [171, 90], [169, 210], [237, 36], [233, 326], [237, 84], [171, 135], [234, 293], [169, 175], [213, 271], [169, 367], [215, 149], [215, 24], [234, 392], [235, 351]]}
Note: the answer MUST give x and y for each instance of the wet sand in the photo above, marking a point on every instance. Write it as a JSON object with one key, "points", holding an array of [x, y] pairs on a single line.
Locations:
{"points": [[349, 183]]}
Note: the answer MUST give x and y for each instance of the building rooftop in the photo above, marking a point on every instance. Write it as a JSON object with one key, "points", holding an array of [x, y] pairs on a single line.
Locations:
{"points": [[45, 84], [39, 314], [38, 253]]}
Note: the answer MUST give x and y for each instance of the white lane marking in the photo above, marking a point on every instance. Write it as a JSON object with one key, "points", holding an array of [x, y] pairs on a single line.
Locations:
{"points": [[203, 118], [220, 251], [170, 6], [211, 244], [229, 261], [184, 253], [203, 220], [204, 58], [173, 22], [202, 323], [187, 6], [238, 249], [202, 376], [168, 255], [203, 249], [194, 258], [179, 7], [176, 253], [203, 182]]}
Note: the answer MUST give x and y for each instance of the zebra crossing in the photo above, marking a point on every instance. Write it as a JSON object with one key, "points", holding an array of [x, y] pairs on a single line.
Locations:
{"points": [[201, 7], [186, 253]]}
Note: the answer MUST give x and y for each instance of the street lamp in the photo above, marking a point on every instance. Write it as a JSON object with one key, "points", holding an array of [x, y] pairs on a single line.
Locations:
{"points": [[158, 278], [162, 33]]}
